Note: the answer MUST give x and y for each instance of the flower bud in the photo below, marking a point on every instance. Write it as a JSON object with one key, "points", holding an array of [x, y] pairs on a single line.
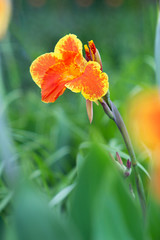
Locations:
{"points": [[128, 164], [89, 107], [98, 58]]}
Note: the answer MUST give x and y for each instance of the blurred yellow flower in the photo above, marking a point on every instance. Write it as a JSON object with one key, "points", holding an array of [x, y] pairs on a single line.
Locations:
{"points": [[144, 122], [144, 118], [5, 13]]}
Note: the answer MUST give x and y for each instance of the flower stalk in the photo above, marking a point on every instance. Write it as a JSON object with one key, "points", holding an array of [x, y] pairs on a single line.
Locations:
{"points": [[114, 114]]}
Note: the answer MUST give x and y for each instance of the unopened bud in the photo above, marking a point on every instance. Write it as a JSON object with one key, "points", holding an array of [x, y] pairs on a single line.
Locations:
{"points": [[98, 58], [128, 164], [119, 158], [89, 107], [126, 174], [87, 52], [92, 46]]}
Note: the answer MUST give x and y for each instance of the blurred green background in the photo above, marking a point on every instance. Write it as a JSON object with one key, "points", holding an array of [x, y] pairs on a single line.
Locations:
{"points": [[42, 142]]}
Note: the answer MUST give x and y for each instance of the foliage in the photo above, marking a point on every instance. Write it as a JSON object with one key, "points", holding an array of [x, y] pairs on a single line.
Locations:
{"points": [[62, 182]]}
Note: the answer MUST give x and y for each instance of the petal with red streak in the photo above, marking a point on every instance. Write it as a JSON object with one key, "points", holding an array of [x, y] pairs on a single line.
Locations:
{"points": [[64, 71], [40, 65], [68, 57], [74, 63], [53, 85], [52, 95], [93, 83], [69, 42]]}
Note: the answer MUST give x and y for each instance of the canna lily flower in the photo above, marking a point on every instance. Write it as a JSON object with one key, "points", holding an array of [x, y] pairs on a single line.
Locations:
{"points": [[67, 68]]}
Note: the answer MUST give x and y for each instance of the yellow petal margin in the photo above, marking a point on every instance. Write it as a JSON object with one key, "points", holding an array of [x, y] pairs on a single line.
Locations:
{"points": [[40, 65], [68, 43]]}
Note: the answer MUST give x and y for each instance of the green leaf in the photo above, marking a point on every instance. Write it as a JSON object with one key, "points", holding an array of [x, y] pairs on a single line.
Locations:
{"points": [[154, 219], [80, 161], [101, 204], [106, 147], [6, 201], [61, 195], [143, 169], [34, 220]]}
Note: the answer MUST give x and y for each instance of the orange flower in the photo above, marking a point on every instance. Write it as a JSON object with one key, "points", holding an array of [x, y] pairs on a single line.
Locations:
{"points": [[67, 68], [144, 120], [144, 116]]}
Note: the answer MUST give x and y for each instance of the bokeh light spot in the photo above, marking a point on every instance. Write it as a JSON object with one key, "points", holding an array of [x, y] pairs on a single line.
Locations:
{"points": [[144, 116], [114, 3], [84, 3], [37, 3]]}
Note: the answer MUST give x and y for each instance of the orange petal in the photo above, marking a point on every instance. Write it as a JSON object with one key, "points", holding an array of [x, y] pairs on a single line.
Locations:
{"points": [[53, 85], [49, 95], [68, 57], [40, 65], [92, 83], [144, 118], [69, 42], [74, 62], [80, 61], [64, 71]]}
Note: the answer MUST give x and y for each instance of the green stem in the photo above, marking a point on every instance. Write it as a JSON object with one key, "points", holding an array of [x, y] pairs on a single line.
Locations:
{"points": [[106, 109], [116, 117]]}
